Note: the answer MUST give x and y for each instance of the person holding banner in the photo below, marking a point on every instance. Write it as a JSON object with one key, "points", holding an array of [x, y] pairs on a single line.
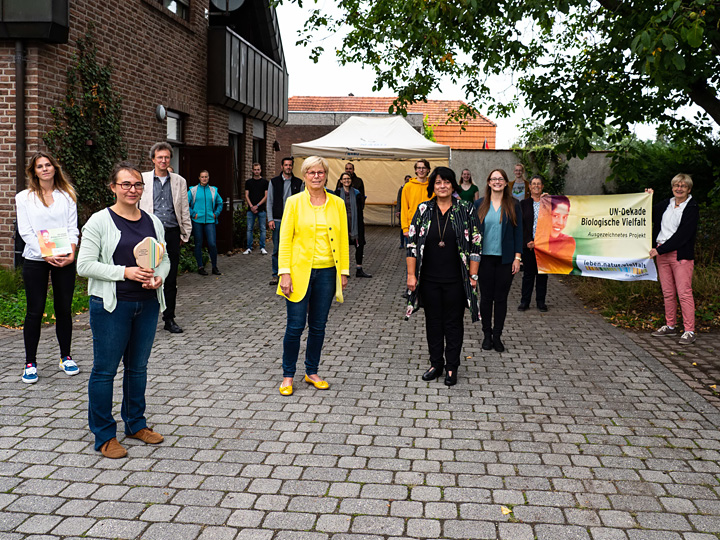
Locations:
{"points": [[530, 211], [675, 222], [125, 300], [554, 250], [444, 250], [501, 228], [48, 204]]}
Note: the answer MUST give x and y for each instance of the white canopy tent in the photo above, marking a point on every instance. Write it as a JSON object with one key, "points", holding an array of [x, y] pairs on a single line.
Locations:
{"points": [[383, 151]]}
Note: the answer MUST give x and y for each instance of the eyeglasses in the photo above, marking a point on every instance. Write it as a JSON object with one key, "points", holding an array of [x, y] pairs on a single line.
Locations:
{"points": [[315, 173], [497, 179], [421, 168], [125, 186]]}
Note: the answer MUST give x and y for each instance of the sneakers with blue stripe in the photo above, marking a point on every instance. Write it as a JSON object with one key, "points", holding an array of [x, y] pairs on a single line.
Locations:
{"points": [[29, 375], [68, 365]]}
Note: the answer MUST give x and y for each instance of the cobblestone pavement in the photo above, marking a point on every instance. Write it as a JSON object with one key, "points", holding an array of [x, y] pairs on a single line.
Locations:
{"points": [[698, 365], [574, 433]]}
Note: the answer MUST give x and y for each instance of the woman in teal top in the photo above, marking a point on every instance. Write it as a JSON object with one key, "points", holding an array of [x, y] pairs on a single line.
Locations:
{"points": [[468, 190], [501, 228]]}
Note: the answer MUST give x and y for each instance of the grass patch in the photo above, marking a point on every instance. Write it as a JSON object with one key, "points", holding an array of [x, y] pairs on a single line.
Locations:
{"points": [[13, 302], [639, 304]]}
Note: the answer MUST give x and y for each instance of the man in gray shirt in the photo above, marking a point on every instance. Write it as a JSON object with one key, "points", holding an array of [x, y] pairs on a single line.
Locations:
{"points": [[166, 196]]}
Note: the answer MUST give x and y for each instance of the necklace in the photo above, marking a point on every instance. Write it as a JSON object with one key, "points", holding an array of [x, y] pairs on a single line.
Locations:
{"points": [[441, 243]]}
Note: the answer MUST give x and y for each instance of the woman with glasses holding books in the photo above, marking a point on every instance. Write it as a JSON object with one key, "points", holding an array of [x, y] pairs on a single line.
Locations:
{"points": [[47, 223], [125, 299]]}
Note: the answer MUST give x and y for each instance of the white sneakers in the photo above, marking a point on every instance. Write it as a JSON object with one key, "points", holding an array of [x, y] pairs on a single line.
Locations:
{"points": [[263, 251], [248, 251]]}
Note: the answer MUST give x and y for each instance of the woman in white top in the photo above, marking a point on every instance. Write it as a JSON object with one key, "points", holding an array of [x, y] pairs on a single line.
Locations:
{"points": [[47, 212], [675, 222]]}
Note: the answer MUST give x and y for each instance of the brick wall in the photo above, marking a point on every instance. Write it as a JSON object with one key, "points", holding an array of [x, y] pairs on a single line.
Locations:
{"points": [[157, 58], [7, 152]]}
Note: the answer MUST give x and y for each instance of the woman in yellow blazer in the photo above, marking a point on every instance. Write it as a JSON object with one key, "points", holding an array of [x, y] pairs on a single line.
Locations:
{"points": [[313, 265]]}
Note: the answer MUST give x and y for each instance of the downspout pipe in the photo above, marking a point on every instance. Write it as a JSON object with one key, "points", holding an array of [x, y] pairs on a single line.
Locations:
{"points": [[19, 134]]}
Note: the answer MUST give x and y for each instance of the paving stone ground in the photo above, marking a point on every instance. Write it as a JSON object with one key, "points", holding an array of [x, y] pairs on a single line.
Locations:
{"points": [[574, 433]]}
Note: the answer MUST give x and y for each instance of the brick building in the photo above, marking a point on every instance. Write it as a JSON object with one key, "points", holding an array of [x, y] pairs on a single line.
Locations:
{"points": [[220, 78], [304, 124]]}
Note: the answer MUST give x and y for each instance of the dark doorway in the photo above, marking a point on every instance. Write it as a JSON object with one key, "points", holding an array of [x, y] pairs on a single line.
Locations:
{"points": [[219, 162]]}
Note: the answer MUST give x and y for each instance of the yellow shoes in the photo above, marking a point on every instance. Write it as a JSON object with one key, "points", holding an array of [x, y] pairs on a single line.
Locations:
{"points": [[320, 385]]}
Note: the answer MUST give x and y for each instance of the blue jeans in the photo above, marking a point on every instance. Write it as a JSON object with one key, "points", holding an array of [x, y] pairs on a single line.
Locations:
{"points": [[251, 218], [206, 230], [276, 247], [126, 334], [315, 308]]}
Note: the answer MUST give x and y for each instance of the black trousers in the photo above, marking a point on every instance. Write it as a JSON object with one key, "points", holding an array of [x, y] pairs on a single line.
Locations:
{"points": [[495, 279], [35, 275], [359, 252], [531, 277], [444, 305], [172, 241]]}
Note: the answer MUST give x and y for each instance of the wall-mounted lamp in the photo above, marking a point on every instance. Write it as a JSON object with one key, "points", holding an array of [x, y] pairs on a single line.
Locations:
{"points": [[160, 113]]}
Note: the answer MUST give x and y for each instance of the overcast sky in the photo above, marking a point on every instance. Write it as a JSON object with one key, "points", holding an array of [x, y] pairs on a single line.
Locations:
{"points": [[327, 78]]}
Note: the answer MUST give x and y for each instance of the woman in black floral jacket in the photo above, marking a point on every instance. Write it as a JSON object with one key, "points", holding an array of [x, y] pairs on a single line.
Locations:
{"points": [[444, 247]]}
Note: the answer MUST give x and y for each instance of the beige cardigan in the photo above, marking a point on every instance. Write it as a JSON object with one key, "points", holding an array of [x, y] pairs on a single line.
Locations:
{"points": [[179, 189]]}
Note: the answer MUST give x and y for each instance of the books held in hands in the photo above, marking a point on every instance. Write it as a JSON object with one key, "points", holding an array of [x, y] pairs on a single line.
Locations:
{"points": [[149, 253], [54, 242]]}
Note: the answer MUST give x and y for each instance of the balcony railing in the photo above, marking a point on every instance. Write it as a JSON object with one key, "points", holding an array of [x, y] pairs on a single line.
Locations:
{"points": [[242, 78]]}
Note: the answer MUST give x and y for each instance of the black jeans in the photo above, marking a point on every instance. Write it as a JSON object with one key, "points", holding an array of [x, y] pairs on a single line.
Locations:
{"points": [[35, 275], [444, 305], [359, 251], [531, 277], [172, 241], [495, 279]]}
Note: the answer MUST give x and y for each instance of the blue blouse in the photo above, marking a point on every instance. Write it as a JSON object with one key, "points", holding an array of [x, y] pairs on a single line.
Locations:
{"points": [[492, 240]]}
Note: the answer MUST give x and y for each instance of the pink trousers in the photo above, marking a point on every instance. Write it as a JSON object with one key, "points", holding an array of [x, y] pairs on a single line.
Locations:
{"points": [[676, 279]]}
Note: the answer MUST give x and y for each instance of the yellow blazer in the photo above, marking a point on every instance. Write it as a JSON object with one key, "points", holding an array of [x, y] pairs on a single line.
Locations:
{"points": [[297, 242]]}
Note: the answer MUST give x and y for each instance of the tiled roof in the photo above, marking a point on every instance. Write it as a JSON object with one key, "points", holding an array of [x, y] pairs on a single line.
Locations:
{"points": [[476, 132]]}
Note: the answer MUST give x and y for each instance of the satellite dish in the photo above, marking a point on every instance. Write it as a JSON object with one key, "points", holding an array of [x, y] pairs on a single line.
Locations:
{"points": [[227, 5]]}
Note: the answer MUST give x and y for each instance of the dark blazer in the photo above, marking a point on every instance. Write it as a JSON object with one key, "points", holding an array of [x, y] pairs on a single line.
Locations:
{"points": [[360, 203], [276, 184], [528, 217], [512, 237], [684, 238]]}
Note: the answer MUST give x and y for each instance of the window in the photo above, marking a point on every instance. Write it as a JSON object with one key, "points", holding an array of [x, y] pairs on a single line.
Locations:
{"points": [[174, 127], [181, 8], [174, 135]]}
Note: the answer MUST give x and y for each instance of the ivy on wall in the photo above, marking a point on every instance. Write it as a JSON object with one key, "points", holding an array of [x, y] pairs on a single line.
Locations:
{"points": [[428, 129], [546, 162], [87, 137]]}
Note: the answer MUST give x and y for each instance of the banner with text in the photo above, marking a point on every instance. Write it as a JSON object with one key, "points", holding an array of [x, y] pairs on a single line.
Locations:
{"points": [[605, 236]]}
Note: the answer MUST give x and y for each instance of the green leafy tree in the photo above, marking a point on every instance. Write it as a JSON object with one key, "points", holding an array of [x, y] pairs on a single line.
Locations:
{"points": [[87, 137], [579, 64]]}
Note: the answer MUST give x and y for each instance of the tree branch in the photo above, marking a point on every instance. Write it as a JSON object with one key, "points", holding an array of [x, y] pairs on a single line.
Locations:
{"points": [[705, 98]]}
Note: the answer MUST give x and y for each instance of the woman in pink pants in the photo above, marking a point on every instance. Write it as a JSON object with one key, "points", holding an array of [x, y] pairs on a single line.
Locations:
{"points": [[675, 222]]}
